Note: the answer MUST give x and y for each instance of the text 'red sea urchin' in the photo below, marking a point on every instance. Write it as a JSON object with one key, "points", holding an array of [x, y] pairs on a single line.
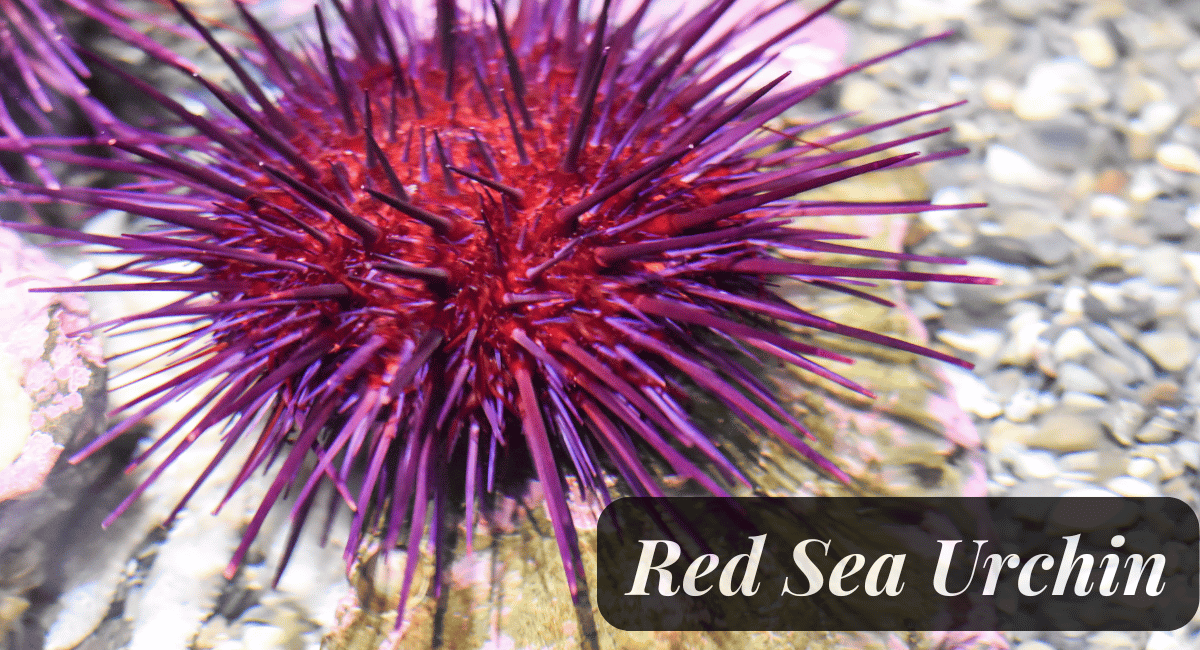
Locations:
{"points": [[503, 240]]}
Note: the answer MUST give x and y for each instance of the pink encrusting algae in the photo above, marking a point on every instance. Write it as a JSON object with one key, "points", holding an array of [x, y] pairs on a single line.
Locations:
{"points": [[438, 254]]}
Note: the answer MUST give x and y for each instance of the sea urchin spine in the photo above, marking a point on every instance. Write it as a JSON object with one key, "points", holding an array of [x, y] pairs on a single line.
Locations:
{"points": [[428, 255]]}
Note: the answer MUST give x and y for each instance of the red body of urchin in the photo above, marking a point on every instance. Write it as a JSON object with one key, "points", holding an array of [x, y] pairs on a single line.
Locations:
{"points": [[499, 245]]}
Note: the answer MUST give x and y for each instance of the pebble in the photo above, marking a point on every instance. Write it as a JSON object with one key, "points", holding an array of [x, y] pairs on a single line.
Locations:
{"points": [[1178, 157], [1129, 486], [1010, 167], [1171, 349], [1141, 468], [1073, 344], [1034, 645], [1189, 452], [1157, 430], [1054, 87], [1095, 47], [1074, 377], [1066, 430], [1037, 464], [1022, 406], [1080, 461]]}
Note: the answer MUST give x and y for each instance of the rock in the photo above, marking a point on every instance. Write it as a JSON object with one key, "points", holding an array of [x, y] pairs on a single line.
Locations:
{"points": [[1124, 420], [1054, 87], [1189, 452], [1074, 377], [1094, 47], [1022, 406], [1141, 468], [51, 373], [1171, 349], [1037, 464], [1129, 486], [1064, 430], [1007, 166], [1073, 344], [1157, 430], [1178, 157]]}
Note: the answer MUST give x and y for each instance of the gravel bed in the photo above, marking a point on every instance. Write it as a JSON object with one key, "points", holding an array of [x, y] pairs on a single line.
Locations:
{"points": [[1084, 131]]}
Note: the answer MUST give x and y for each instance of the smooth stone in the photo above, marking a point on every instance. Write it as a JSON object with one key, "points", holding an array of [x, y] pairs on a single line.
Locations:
{"points": [[1171, 349], [1160, 640], [1129, 486], [1122, 422], [1074, 377], [1086, 461], [1095, 47], [1141, 468], [1081, 401], [1090, 492], [1054, 87], [1161, 264], [1118, 373], [1066, 430], [1191, 261], [1073, 344], [1023, 406], [1034, 645], [1010, 167], [1157, 430], [1178, 157], [1189, 452], [1036, 464]]}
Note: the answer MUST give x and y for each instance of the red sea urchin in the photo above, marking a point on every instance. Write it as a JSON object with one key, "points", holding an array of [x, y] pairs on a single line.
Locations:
{"points": [[496, 246]]}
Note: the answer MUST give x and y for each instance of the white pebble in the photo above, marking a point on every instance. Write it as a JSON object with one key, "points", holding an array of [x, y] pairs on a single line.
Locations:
{"points": [[1141, 467], [1090, 492], [1074, 377], [1171, 349], [1129, 486], [1010, 167], [1054, 87], [1022, 406], [1073, 344], [1164, 641], [1156, 117], [1034, 645], [1095, 47], [973, 395], [1036, 464], [1178, 157], [1189, 451]]}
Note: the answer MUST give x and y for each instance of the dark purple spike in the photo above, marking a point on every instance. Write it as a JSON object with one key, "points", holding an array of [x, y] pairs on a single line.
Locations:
{"points": [[481, 85], [734, 236], [269, 137], [398, 73], [485, 155], [376, 154], [447, 176], [511, 192], [423, 156], [267, 43], [593, 66], [201, 124], [335, 75], [510, 57], [275, 117], [437, 222], [366, 231], [447, 19], [685, 39], [570, 162], [698, 316], [660, 162], [365, 48], [816, 271], [548, 473], [422, 272], [512, 126], [201, 174]]}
